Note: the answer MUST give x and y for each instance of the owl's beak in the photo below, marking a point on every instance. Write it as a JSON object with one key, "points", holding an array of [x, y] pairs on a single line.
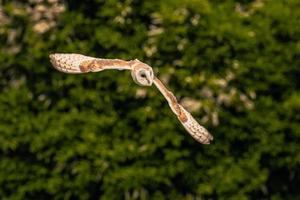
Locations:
{"points": [[149, 80]]}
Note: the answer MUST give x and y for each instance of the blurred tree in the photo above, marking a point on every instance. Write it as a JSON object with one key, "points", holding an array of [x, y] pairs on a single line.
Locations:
{"points": [[69, 137]]}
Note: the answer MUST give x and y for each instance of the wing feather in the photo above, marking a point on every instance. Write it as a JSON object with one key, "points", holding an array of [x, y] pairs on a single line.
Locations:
{"points": [[197, 131], [77, 63]]}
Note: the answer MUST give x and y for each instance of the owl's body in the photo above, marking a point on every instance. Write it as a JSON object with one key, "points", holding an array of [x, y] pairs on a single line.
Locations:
{"points": [[142, 74]]}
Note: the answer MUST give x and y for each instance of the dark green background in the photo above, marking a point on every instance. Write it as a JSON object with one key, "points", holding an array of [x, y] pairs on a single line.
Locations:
{"points": [[91, 137]]}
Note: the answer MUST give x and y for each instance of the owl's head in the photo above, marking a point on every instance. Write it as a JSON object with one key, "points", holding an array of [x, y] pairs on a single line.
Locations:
{"points": [[141, 73]]}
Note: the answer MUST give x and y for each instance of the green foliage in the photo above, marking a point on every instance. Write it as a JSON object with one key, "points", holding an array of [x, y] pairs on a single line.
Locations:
{"points": [[93, 136]]}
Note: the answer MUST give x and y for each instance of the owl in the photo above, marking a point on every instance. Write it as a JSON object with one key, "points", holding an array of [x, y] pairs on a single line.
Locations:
{"points": [[142, 74]]}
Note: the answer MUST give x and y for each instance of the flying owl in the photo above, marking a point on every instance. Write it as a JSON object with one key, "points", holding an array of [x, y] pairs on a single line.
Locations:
{"points": [[141, 73]]}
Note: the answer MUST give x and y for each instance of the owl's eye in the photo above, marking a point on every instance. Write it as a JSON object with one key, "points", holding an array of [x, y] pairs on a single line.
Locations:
{"points": [[143, 74]]}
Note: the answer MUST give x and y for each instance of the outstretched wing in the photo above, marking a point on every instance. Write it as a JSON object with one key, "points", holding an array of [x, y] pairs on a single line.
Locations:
{"points": [[76, 63], [197, 131]]}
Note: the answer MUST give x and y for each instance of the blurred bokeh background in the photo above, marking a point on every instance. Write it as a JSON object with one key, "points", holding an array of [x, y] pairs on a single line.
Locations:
{"points": [[234, 64]]}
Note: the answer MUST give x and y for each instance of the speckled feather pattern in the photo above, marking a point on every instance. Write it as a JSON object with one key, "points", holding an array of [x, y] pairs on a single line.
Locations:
{"points": [[69, 63], [197, 131]]}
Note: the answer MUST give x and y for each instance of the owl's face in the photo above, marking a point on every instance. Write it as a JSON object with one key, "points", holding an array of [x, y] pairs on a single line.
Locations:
{"points": [[141, 73]]}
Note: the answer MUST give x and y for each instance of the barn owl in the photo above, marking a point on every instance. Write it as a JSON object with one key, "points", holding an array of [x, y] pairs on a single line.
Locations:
{"points": [[142, 74]]}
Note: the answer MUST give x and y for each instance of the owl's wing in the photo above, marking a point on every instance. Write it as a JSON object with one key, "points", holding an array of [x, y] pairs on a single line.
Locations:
{"points": [[76, 63], [197, 131]]}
